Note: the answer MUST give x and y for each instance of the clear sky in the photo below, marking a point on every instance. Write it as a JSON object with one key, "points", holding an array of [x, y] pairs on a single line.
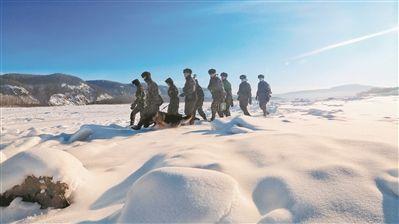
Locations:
{"points": [[297, 45]]}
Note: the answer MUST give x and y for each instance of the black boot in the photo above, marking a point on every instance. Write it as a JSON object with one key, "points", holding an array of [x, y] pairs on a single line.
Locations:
{"points": [[136, 127]]}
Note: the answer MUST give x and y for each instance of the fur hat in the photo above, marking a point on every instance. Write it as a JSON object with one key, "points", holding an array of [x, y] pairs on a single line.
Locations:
{"points": [[169, 81], [211, 71], [224, 74], [136, 82], [145, 75], [261, 76], [187, 70], [243, 76]]}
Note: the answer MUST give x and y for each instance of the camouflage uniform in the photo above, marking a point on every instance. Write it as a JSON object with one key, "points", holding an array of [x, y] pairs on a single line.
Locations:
{"points": [[190, 96], [200, 100], [229, 97], [152, 103], [138, 104], [244, 96], [263, 95], [173, 93], [216, 88]]}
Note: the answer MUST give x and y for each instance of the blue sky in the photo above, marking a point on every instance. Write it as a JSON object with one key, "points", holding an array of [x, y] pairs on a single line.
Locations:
{"points": [[117, 40]]}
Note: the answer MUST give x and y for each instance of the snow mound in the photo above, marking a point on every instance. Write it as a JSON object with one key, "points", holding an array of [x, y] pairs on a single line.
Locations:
{"points": [[277, 216], [81, 135], [58, 164], [20, 145], [236, 125], [93, 131], [272, 193], [176, 194]]}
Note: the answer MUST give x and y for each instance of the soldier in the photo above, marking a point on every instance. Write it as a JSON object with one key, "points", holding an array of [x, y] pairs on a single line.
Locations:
{"points": [[138, 104], [200, 99], [216, 88], [244, 94], [190, 95], [152, 102], [229, 95], [173, 93], [263, 94]]}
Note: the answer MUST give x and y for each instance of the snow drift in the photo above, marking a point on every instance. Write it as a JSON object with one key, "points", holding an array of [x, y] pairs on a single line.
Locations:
{"points": [[41, 168], [177, 194]]}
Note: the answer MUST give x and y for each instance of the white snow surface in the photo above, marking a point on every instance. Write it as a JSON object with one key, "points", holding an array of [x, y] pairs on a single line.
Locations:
{"points": [[314, 161], [19, 210], [177, 194]]}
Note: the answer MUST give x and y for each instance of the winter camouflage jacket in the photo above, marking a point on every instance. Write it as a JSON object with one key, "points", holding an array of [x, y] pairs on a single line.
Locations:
{"points": [[244, 91], [227, 89], [140, 97], [173, 93], [264, 90], [216, 87], [152, 96], [199, 91], [189, 88]]}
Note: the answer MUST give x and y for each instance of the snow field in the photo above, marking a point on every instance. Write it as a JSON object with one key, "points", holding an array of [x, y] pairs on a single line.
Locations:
{"points": [[313, 168]]}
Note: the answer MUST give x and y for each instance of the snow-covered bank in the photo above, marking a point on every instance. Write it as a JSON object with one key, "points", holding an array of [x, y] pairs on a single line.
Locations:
{"points": [[325, 161]]}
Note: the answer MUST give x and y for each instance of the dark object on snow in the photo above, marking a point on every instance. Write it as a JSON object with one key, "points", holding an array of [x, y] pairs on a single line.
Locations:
{"points": [[164, 120], [190, 97], [244, 96], [263, 95], [200, 100], [42, 190], [173, 93], [218, 96]]}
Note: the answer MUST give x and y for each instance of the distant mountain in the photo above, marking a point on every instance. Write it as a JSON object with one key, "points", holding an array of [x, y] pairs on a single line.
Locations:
{"points": [[54, 89], [344, 91], [61, 89], [390, 91], [112, 92]]}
